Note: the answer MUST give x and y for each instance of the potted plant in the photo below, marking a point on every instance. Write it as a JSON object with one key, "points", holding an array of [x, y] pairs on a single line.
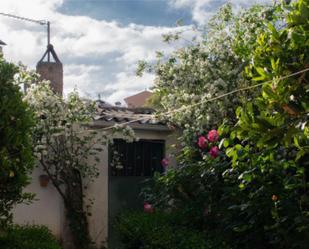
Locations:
{"points": [[44, 180]]}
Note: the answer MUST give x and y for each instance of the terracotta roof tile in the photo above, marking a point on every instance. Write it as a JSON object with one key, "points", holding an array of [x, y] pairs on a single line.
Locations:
{"points": [[118, 114]]}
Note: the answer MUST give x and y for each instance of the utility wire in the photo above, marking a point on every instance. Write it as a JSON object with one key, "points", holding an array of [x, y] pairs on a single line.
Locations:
{"points": [[235, 91], [41, 22], [207, 100]]}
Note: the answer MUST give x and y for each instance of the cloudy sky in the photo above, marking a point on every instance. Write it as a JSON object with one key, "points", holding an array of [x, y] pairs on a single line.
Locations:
{"points": [[100, 41]]}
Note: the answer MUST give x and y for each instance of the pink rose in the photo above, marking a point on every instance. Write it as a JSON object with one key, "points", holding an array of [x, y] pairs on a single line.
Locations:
{"points": [[213, 136], [164, 162], [148, 208], [202, 142], [214, 152]]}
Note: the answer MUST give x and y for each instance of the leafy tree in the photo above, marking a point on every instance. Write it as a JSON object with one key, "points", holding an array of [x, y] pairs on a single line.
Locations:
{"points": [[16, 160], [274, 128]]}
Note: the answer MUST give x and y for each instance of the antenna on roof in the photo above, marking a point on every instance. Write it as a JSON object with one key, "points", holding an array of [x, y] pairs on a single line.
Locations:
{"points": [[40, 22], [48, 39], [52, 71]]}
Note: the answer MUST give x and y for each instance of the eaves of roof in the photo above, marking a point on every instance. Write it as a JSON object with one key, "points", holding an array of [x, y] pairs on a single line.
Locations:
{"points": [[137, 118]]}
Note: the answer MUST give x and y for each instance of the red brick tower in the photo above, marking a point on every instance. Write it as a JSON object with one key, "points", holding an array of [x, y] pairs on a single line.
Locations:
{"points": [[51, 70]]}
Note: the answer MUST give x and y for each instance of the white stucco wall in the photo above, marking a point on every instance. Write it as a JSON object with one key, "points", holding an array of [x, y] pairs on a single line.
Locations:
{"points": [[48, 209], [98, 192]]}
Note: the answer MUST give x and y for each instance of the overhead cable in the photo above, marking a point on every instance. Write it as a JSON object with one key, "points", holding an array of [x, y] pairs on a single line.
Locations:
{"points": [[181, 109]]}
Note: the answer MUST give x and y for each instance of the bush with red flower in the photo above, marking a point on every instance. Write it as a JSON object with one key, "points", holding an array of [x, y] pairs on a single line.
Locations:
{"points": [[210, 144], [245, 184]]}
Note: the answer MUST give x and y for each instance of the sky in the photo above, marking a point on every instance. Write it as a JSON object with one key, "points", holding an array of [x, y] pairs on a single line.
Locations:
{"points": [[100, 42]]}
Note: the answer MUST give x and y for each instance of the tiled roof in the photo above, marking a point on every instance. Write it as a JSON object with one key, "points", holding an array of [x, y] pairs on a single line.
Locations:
{"points": [[118, 114]]}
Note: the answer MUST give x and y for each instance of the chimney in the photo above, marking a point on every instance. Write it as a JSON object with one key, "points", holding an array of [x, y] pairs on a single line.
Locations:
{"points": [[1, 44], [51, 70]]}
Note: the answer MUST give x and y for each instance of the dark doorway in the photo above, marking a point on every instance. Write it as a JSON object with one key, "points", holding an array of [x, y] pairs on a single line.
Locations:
{"points": [[130, 164]]}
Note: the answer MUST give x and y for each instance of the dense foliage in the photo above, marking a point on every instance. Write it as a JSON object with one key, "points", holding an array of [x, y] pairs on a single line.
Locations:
{"points": [[28, 237], [271, 137], [157, 230], [16, 159], [247, 188], [212, 65]]}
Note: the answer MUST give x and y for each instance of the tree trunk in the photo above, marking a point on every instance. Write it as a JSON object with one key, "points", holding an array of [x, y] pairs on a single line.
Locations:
{"points": [[75, 213]]}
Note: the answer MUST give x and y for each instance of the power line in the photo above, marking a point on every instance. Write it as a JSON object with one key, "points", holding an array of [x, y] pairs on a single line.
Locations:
{"points": [[235, 91], [41, 22], [208, 100]]}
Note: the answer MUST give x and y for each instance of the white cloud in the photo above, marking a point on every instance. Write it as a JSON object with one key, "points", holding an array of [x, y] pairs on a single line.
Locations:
{"points": [[128, 84], [80, 76], [98, 56], [202, 10]]}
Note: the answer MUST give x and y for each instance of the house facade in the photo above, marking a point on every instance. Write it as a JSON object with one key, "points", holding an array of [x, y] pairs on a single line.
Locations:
{"points": [[114, 190]]}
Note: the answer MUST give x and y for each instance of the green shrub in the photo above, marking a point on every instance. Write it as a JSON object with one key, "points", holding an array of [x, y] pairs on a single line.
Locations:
{"points": [[16, 160], [28, 237], [157, 231], [254, 193]]}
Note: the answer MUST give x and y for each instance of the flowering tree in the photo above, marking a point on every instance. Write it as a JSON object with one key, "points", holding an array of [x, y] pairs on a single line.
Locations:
{"points": [[68, 149], [210, 66], [16, 160], [63, 147]]}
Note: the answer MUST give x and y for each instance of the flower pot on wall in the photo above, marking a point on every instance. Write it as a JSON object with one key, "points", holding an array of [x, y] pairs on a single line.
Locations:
{"points": [[44, 180]]}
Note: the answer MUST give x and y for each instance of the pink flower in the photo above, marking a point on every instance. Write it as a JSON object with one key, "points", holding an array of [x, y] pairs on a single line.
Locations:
{"points": [[202, 142], [148, 208], [213, 136], [214, 152], [165, 162]]}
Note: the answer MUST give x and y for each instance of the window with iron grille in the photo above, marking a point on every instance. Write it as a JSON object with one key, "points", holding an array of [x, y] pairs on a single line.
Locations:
{"points": [[139, 158]]}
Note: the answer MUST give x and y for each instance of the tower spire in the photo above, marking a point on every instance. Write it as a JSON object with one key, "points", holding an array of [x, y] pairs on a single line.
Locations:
{"points": [[51, 70]]}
